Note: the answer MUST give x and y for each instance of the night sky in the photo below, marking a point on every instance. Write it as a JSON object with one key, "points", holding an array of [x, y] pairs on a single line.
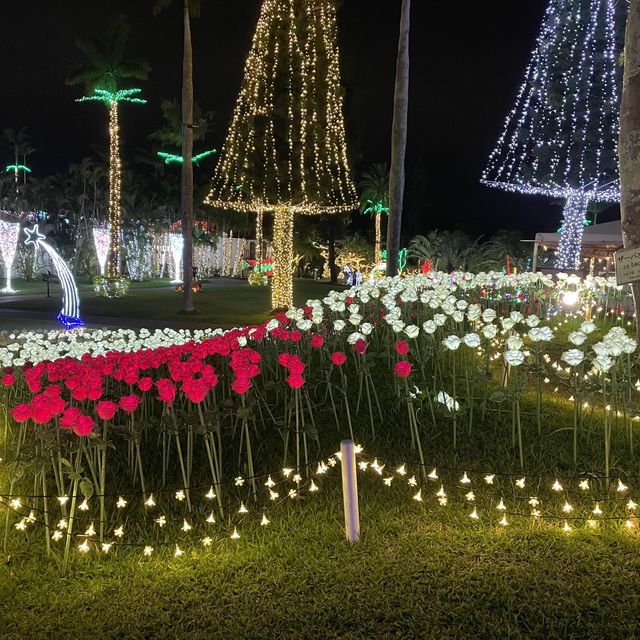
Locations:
{"points": [[467, 62]]}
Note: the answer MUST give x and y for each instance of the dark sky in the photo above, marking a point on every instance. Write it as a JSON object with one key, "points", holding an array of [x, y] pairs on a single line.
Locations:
{"points": [[467, 61]]}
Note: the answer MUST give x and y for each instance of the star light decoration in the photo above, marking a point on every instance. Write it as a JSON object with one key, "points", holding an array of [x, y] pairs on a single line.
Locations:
{"points": [[286, 151], [69, 315], [112, 99], [9, 232], [560, 139]]}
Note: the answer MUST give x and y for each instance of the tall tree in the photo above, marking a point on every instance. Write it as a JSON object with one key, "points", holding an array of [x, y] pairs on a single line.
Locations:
{"points": [[107, 66], [629, 143], [190, 9], [398, 142], [374, 199]]}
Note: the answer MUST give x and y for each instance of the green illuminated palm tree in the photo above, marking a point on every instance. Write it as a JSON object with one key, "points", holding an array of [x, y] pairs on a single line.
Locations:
{"points": [[106, 67], [374, 198], [190, 9]]}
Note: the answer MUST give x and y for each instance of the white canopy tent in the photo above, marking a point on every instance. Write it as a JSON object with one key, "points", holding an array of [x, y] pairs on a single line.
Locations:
{"points": [[598, 240]]}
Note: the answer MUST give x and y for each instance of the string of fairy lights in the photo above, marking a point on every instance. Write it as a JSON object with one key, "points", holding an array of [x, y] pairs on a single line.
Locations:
{"points": [[9, 232], [114, 215], [294, 161], [560, 138], [491, 497]]}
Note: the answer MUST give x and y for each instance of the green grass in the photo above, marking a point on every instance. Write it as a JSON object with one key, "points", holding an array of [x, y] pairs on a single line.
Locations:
{"points": [[417, 573], [222, 302]]}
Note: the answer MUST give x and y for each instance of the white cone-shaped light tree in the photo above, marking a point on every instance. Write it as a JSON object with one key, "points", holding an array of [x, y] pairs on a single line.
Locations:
{"points": [[286, 150], [560, 138]]}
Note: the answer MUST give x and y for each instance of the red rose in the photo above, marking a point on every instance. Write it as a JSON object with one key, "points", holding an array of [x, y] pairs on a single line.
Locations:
{"points": [[285, 358], [195, 390], [70, 418], [317, 340], [241, 385], [295, 336], [166, 390], [402, 347], [338, 358], [145, 383], [7, 380], [21, 412], [84, 426], [296, 366], [360, 346], [403, 369], [52, 391], [295, 380], [129, 403], [106, 409]]}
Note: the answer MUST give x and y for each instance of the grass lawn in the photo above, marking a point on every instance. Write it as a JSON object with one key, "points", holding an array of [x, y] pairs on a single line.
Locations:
{"points": [[222, 302], [417, 573]]}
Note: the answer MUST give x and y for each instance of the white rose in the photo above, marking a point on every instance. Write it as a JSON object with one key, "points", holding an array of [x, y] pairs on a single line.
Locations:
{"points": [[473, 312], [398, 326], [514, 343], [514, 357], [429, 326], [507, 323], [439, 319], [577, 337], [472, 340], [602, 364], [451, 342], [412, 331], [490, 331], [488, 315], [516, 316], [355, 319], [339, 325], [354, 337], [366, 328], [573, 357], [532, 321], [587, 327]]}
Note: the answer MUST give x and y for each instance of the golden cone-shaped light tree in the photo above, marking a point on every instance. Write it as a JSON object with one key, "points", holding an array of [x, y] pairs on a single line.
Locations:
{"points": [[286, 150]]}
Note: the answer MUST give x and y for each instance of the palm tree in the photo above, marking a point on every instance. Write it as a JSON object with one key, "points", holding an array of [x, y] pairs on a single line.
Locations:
{"points": [[190, 8], [374, 198], [398, 142], [106, 66], [629, 149]]}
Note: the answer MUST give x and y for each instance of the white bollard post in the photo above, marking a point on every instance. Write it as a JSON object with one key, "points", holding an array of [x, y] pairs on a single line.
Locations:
{"points": [[350, 491]]}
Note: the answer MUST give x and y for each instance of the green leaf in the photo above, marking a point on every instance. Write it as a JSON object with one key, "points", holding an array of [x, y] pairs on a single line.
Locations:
{"points": [[86, 487]]}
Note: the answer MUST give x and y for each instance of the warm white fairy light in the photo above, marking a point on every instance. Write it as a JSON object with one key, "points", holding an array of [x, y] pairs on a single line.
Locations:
{"points": [[84, 505], [363, 465], [556, 486], [235, 535], [147, 551], [470, 496], [273, 495], [102, 240], [621, 488], [418, 496], [90, 531], [567, 527], [270, 483], [597, 511], [9, 233], [21, 525], [503, 522], [62, 524], [313, 487], [297, 478], [265, 521], [286, 472], [567, 508], [121, 503], [242, 508], [501, 505], [211, 518], [106, 547], [57, 535], [401, 470], [176, 244], [180, 495], [15, 503], [186, 526], [433, 475], [465, 479], [161, 521], [412, 482], [560, 138], [520, 483], [83, 547], [474, 514], [150, 502], [119, 532], [178, 552], [63, 499], [441, 492], [584, 485], [489, 478]]}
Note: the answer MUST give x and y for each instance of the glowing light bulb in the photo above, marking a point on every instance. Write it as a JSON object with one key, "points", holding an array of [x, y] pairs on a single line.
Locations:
{"points": [[63, 499], [388, 480], [313, 487], [178, 552], [57, 535], [83, 547], [412, 482], [161, 521], [418, 496], [210, 495], [489, 478], [567, 528], [465, 479], [556, 486], [91, 531], [597, 510], [503, 522], [119, 532], [520, 483], [121, 503], [474, 514], [401, 470], [242, 508], [147, 551], [106, 547], [186, 526], [211, 518], [150, 502], [567, 508], [180, 495], [621, 488], [584, 485], [286, 472], [501, 505], [235, 535], [84, 505], [270, 483], [265, 521], [206, 541], [433, 475]]}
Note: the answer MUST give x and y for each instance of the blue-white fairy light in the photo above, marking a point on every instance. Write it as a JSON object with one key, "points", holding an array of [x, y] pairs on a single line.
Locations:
{"points": [[69, 315], [560, 139]]}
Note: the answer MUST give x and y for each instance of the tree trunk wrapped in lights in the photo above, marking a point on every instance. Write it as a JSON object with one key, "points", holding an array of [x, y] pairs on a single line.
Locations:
{"points": [[286, 151], [560, 138]]}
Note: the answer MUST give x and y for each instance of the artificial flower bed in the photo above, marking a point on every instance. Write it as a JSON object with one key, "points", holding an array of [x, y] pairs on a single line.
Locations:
{"points": [[426, 361]]}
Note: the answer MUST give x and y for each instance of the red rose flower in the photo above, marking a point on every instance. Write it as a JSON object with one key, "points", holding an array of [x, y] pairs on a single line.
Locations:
{"points": [[129, 403], [84, 425], [295, 380], [360, 346], [166, 390], [21, 412], [106, 409], [70, 418], [317, 340], [8, 380], [403, 369], [144, 384], [402, 347], [241, 385], [295, 336], [338, 358], [195, 390]]}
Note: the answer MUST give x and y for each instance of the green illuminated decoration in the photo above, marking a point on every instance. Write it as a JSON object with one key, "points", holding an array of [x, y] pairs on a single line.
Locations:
{"points": [[17, 167], [173, 158], [402, 257], [108, 97]]}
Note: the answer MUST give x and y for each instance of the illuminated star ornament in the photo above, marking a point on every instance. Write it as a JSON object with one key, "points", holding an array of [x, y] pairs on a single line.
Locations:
{"points": [[69, 315], [560, 139]]}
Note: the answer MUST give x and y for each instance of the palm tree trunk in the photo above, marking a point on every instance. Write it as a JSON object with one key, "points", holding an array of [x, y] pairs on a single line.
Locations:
{"points": [[398, 142], [187, 164], [113, 263], [629, 146], [378, 246]]}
